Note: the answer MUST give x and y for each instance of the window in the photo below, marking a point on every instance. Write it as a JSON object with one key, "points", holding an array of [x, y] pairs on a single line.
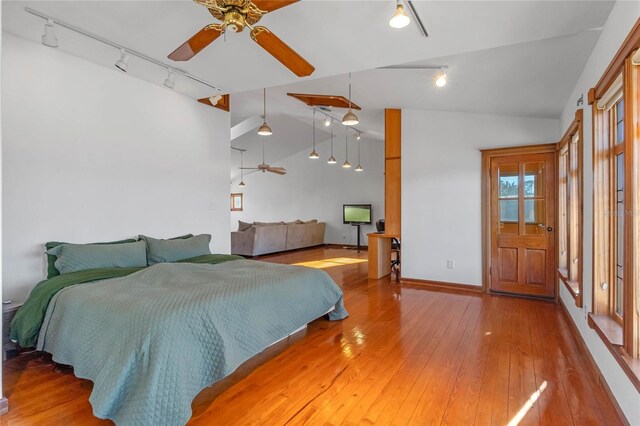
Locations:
{"points": [[616, 212], [570, 209]]}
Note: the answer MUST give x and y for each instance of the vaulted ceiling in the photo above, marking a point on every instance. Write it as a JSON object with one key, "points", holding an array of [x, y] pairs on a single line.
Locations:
{"points": [[504, 57]]}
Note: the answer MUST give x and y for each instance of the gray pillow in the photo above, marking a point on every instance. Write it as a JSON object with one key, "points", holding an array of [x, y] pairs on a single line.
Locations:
{"points": [[243, 226], [160, 251], [79, 257]]}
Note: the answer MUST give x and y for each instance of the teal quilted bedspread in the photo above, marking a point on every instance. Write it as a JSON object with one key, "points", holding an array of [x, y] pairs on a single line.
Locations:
{"points": [[152, 340]]}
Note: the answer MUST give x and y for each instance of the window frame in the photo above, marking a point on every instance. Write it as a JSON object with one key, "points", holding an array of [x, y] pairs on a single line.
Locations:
{"points": [[571, 202], [621, 337]]}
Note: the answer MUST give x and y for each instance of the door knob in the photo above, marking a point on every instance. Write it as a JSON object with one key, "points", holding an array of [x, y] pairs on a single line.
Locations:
{"points": [[549, 229]]}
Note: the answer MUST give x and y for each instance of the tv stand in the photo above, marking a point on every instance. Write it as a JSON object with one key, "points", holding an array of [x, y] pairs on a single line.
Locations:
{"points": [[358, 232]]}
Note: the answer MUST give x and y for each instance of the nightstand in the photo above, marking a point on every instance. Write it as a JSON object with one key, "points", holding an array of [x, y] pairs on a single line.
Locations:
{"points": [[8, 312]]}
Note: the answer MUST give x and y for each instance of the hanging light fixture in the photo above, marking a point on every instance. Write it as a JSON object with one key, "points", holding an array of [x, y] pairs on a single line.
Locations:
{"points": [[241, 184], [358, 167], [346, 164], [400, 18], [49, 37], [440, 78], [170, 81], [314, 155], [350, 119], [264, 130], [123, 63], [332, 159]]}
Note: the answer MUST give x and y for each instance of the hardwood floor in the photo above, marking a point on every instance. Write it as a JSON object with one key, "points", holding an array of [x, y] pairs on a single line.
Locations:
{"points": [[406, 355]]}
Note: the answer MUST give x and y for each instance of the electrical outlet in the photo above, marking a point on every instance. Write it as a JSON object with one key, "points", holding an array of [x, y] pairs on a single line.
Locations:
{"points": [[449, 264]]}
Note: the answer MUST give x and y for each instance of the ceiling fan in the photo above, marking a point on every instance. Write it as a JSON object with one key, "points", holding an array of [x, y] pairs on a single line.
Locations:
{"points": [[264, 167], [235, 15]]}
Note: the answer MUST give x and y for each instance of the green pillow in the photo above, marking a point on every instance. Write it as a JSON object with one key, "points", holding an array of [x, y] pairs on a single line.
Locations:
{"points": [[173, 250], [80, 257], [51, 258]]}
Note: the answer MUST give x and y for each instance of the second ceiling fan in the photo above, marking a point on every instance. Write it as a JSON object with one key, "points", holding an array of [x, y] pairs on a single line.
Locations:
{"points": [[235, 15]]}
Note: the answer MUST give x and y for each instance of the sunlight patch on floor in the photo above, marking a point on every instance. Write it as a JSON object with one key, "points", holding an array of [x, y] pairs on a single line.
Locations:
{"points": [[527, 405], [330, 263]]}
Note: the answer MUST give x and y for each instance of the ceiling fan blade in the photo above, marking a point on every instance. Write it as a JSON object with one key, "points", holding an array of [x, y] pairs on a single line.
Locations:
{"points": [[283, 53], [195, 44], [271, 5], [248, 168], [277, 170]]}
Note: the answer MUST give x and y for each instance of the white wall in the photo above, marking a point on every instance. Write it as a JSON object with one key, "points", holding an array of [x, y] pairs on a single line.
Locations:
{"points": [[313, 189], [441, 198], [92, 154], [620, 21]]}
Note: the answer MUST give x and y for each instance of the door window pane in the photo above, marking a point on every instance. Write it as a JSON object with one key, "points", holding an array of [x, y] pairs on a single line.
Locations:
{"points": [[620, 121], [534, 179], [620, 216], [508, 181], [534, 214]]}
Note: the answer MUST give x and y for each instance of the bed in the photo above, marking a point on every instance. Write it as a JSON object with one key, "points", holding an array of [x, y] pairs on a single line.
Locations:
{"points": [[150, 339]]}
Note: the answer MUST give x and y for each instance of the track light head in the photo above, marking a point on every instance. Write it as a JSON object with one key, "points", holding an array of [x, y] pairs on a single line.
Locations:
{"points": [[49, 38], [123, 63], [215, 99], [440, 78], [170, 81], [400, 18], [350, 119], [327, 122], [331, 160], [265, 130]]}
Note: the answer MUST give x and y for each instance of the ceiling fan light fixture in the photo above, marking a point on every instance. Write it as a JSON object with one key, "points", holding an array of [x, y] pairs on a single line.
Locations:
{"points": [[265, 130], [400, 18], [49, 38], [440, 79], [350, 119], [123, 63], [170, 81]]}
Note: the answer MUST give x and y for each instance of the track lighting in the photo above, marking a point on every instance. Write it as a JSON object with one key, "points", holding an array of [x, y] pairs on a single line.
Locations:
{"points": [[123, 63], [215, 99], [350, 119], [49, 37], [170, 81], [346, 164], [327, 122], [441, 78], [314, 155], [400, 18], [264, 130]]}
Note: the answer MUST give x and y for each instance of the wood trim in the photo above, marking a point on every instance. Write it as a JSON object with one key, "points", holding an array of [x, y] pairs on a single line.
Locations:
{"points": [[593, 366], [442, 285], [516, 150], [335, 101], [611, 334], [345, 246], [393, 171], [631, 43]]}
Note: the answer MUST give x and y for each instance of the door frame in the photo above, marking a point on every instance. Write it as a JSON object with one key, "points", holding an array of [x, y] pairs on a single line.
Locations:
{"points": [[487, 155]]}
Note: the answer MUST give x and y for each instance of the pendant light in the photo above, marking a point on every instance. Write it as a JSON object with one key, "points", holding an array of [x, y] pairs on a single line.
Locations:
{"points": [[350, 119], [346, 164], [314, 155], [264, 130], [358, 167], [332, 159], [241, 184], [400, 18]]}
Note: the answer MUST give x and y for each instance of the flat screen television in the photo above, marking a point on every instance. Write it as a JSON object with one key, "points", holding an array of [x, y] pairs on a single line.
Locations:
{"points": [[356, 213]]}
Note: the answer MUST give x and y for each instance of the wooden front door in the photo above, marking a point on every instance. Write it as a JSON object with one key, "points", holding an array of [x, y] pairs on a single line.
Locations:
{"points": [[523, 224]]}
